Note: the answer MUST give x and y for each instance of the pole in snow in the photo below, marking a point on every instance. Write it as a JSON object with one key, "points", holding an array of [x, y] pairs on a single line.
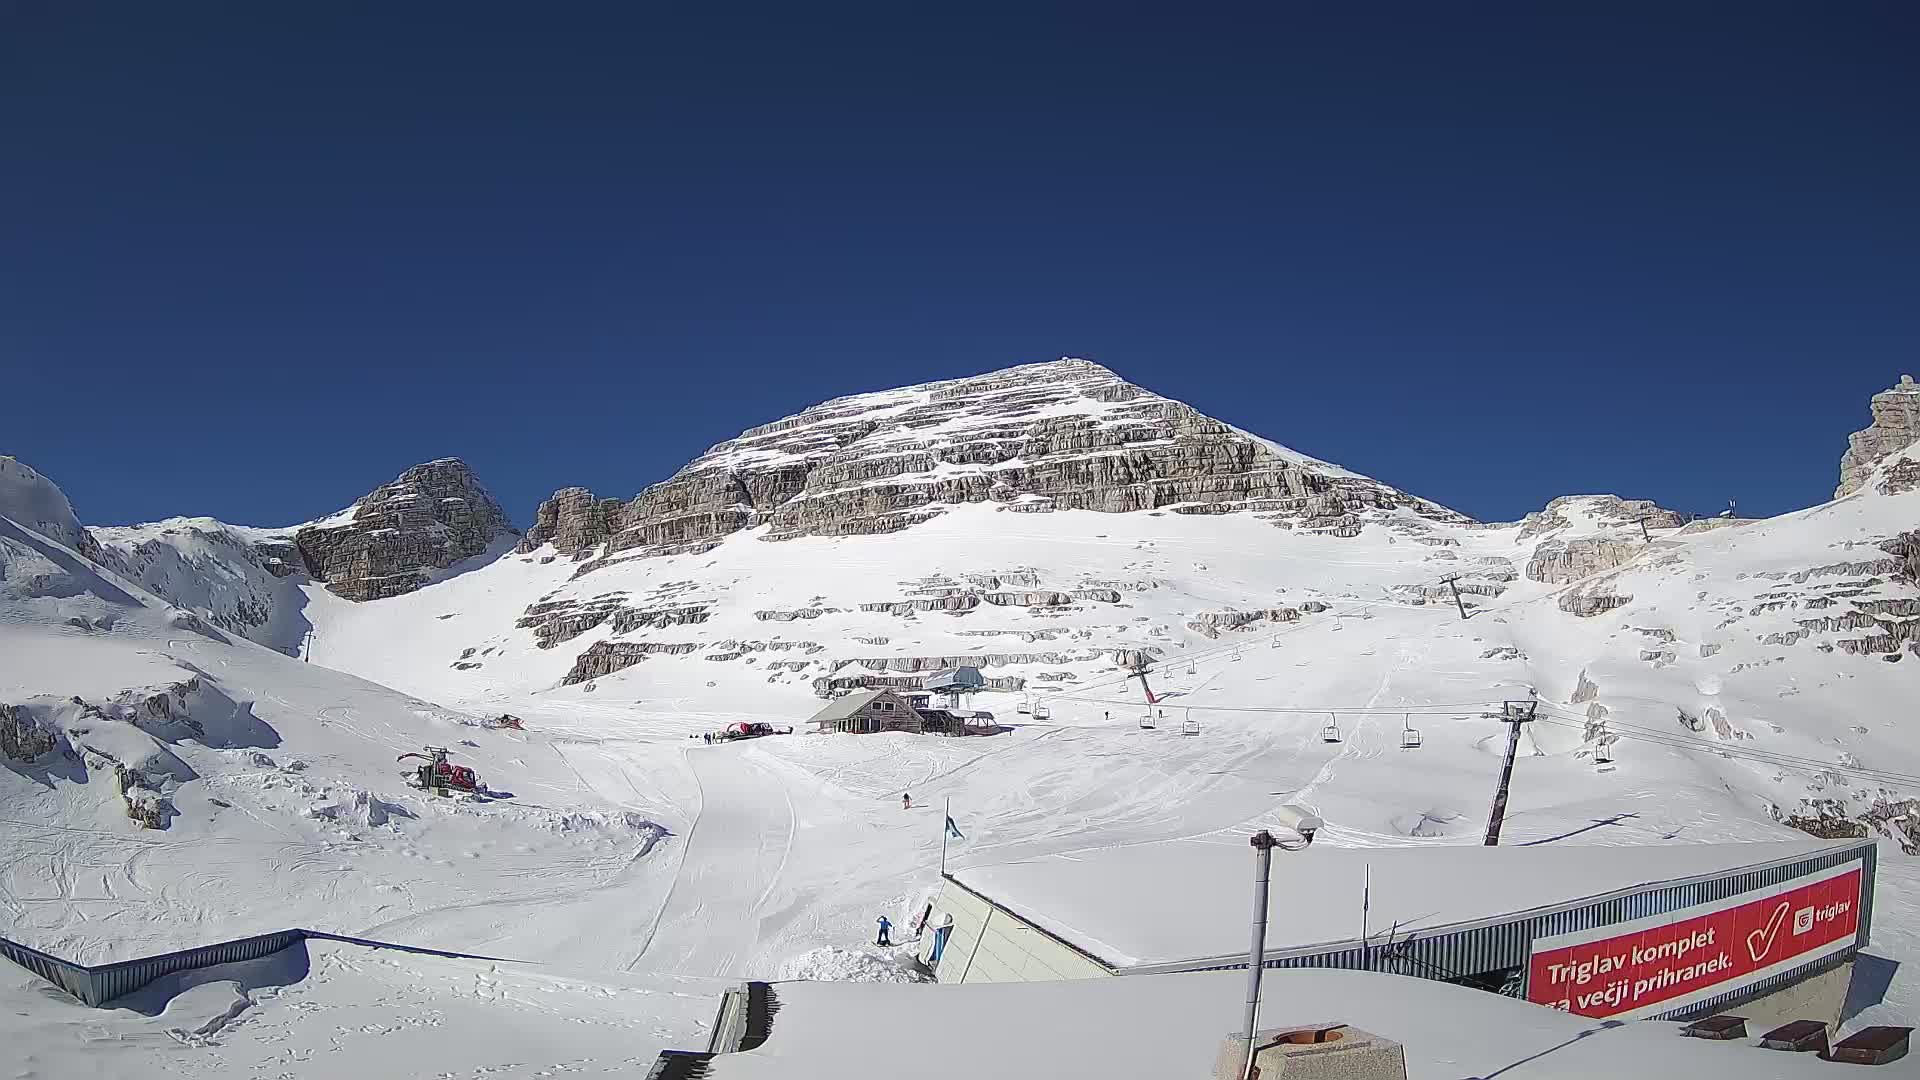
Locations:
{"points": [[944, 831], [1516, 713], [1263, 845]]}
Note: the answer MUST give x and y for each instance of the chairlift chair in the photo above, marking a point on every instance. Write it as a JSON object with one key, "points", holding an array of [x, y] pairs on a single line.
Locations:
{"points": [[1331, 733], [1409, 735], [1146, 721], [1042, 712], [1603, 757], [1188, 725], [1190, 668]]}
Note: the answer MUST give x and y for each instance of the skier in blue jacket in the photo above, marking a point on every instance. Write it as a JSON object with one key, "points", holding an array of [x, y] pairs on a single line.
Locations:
{"points": [[885, 926]]}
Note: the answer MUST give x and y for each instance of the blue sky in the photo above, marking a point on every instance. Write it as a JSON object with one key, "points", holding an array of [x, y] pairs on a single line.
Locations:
{"points": [[257, 259]]}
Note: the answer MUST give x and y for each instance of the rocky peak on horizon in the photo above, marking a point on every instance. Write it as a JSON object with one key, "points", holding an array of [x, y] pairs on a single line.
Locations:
{"points": [[1895, 427], [34, 501], [391, 541], [1067, 434]]}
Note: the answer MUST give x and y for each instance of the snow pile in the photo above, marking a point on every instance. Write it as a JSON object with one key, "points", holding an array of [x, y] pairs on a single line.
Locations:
{"points": [[359, 807], [832, 964]]}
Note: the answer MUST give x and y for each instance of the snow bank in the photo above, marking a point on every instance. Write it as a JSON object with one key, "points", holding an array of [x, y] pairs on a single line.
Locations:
{"points": [[831, 964]]}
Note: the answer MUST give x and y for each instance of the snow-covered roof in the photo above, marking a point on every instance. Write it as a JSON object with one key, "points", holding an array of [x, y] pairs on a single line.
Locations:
{"points": [[844, 706], [1173, 1025], [1164, 903]]}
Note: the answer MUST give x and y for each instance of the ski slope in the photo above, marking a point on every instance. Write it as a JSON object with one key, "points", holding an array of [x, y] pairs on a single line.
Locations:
{"points": [[1683, 699]]}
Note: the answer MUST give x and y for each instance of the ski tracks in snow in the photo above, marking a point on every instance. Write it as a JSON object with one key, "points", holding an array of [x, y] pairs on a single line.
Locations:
{"points": [[735, 853]]}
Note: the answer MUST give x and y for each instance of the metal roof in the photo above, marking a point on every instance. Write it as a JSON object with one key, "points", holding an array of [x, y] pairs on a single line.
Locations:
{"points": [[1107, 902], [955, 678]]}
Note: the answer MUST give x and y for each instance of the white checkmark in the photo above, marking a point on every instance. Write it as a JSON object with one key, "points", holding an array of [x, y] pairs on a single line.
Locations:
{"points": [[1760, 942]]}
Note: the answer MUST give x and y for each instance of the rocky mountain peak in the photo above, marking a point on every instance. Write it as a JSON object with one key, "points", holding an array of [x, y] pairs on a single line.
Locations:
{"points": [[1068, 434], [1895, 427], [391, 541]]}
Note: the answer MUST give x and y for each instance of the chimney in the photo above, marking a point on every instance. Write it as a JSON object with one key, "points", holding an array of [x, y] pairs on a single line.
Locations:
{"points": [[1314, 1052], [1872, 1046], [1799, 1036]]}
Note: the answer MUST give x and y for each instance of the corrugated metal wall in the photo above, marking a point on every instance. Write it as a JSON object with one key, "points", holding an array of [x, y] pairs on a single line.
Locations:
{"points": [[1507, 942], [109, 981], [100, 984], [71, 977]]}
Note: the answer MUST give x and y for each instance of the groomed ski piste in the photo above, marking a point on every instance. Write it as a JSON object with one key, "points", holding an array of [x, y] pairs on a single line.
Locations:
{"points": [[626, 871]]}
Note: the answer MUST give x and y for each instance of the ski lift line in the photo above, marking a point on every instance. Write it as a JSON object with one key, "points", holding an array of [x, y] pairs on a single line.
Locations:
{"points": [[1756, 752], [1416, 710], [1785, 764], [1761, 757], [1350, 608]]}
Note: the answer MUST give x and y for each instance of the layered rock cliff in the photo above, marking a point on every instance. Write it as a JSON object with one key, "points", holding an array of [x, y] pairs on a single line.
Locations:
{"points": [[392, 541], [1895, 428], [1064, 435]]}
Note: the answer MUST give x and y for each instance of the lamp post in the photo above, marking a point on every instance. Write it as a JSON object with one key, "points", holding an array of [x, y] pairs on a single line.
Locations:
{"points": [[1304, 823]]}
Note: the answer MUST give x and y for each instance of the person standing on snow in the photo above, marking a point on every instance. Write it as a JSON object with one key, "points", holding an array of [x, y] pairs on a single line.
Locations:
{"points": [[885, 926], [906, 802]]}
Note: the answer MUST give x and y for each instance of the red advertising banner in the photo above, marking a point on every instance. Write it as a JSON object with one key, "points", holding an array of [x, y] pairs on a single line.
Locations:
{"points": [[1712, 947]]}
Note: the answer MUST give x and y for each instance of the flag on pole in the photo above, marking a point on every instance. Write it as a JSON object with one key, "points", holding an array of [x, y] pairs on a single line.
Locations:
{"points": [[953, 830]]}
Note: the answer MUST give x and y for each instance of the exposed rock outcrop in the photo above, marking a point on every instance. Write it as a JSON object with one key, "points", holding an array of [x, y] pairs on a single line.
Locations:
{"points": [[1067, 435], [432, 516], [22, 736], [607, 657], [1212, 623], [1558, 562], [1606, 511], [555, 621], [573, 521], [833, 686], [1895, 427], [1589, 601]]}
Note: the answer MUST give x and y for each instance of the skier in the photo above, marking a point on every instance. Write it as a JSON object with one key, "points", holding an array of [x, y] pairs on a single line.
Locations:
{"points": [[884, 927], [906, 802]]}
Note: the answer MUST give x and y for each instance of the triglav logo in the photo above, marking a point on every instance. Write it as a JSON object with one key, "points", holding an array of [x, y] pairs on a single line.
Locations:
{"points": [[1802, 921]]}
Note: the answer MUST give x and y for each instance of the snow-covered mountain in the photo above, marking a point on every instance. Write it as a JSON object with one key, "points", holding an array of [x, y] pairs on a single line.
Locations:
{"points": [[1051, 524]]}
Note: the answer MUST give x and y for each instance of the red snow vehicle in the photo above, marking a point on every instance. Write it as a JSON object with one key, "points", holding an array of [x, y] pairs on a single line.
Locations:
{"points": [[438, 774], [750, 731]]}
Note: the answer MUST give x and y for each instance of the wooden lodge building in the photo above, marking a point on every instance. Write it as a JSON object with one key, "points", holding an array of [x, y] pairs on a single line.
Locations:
{"points": [[867, 711]]}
